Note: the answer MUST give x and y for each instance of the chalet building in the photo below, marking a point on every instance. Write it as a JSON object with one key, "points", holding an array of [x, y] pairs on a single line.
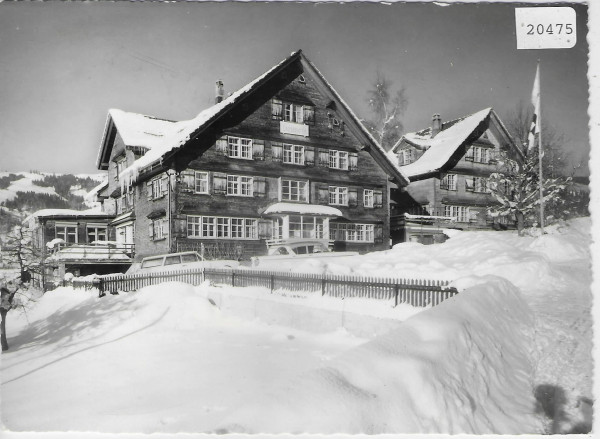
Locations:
{"points": [[78, 242], [283, 157], [448, 165]]}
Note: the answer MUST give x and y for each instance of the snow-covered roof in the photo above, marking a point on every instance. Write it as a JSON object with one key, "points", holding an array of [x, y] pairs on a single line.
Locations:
{"points": [[93, 194], [141, 130], [304, 209], [180, 132], [90, 253], [443, 146], [45, 213]]}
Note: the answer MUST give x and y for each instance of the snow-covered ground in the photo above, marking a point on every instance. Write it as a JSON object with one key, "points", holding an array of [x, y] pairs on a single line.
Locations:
{"points": [[510, 354]]}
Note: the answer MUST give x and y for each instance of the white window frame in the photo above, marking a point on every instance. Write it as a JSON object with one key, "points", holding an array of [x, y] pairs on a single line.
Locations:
{"points": [[449, 182], [158, 228], [481, 155], [240, 185], [95, 231], [239, 147], [293, 154], [459, 213], [221, 227], [369, 198], [293, 112], [157, 188], [338, 195], [299, 186], [200, 181], [339, 159], [65, 232], [352, 232]]}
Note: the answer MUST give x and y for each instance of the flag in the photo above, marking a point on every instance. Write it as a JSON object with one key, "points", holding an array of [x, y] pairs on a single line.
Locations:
{"points": [[535, 100]]}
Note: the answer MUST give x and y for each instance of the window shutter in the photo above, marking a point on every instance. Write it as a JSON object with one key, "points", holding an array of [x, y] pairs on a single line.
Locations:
{"points": [[323, 197], [164, 225], [276, 109], [377, 199], [352, 197], [265, 228], [187, 180], [164, 184], [221, 145], [309, 156], [260, 187], [276, 151], [470, 184], [353, 161], [149, 189], [309, 115], [219, 183], [151, 230], [323, 158], [258, 149], [378, 233]]}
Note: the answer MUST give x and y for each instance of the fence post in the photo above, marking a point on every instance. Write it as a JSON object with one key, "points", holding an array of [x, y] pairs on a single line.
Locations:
{"points": [[272, 283], [232, 278], [323, 285], [396, 288]]}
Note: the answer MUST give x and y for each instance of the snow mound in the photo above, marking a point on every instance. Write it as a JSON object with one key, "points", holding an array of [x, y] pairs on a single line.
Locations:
{"points": [[462, 367]]}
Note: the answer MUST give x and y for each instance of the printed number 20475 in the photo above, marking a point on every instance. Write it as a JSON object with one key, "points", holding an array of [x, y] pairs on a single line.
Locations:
{"points": [[540, 29]]}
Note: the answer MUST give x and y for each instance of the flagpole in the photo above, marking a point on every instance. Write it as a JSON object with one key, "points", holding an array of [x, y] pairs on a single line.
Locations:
{"points": [[540, 155]]}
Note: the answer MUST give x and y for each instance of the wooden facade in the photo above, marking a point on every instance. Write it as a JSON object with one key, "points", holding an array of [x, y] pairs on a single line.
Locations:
{"points": [[288, 159], [455, 195]]}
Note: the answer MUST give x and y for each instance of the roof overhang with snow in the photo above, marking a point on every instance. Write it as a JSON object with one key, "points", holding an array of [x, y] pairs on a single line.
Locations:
{"points": [[303, 209], [69, 214], [184, 141], [443, 151]]}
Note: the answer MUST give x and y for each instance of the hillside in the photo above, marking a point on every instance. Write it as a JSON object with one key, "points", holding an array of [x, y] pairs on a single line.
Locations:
{"points": [[22, 193]]}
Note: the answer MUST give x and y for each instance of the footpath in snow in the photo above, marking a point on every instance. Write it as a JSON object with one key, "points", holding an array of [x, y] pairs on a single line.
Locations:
{"points": [[510, 354]]}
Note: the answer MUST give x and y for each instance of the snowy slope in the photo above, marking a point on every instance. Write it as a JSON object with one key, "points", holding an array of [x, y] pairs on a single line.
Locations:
{"points": [[24, 184]]}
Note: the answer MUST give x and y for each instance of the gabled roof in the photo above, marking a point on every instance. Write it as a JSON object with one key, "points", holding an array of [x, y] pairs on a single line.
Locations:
{"points": [[450, 143], [177, 143]]}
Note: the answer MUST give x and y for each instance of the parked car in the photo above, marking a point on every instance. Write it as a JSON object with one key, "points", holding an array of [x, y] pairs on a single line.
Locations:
{"points": [[297, 250], [178, 261]]}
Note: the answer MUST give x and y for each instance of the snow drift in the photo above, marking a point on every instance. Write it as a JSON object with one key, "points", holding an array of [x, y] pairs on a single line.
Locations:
{"points": [[462, 367]]}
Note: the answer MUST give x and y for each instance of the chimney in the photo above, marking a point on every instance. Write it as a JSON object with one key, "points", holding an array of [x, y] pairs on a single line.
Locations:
{"points": [[436, 125], [219, 91]]}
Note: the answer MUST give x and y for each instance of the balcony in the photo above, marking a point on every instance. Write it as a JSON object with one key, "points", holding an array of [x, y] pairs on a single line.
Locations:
{"points": [[296, 129]]}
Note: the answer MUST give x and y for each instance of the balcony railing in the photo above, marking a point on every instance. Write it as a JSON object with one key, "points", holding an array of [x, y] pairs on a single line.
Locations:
{"points": [[110, 246]]}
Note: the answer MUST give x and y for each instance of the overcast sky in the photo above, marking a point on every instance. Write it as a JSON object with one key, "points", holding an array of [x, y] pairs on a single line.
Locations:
{"points": [[63, 65]]}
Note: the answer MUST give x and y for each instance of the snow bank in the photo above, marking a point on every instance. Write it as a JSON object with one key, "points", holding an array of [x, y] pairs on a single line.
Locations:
{"points": [[462, 367]]}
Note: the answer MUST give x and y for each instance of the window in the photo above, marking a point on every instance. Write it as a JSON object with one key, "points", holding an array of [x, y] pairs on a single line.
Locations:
{"points": [[96, 233], [294, 190], [306, 227], [221, 227], [480, 184], [368, 198], [291, 112], [121, 163], [201, 182], [125, 202], [459, 213], [481, 155], [159, 229], [405, 157], [293, 154], [448, 182], [239, 185], [338, 195], [240, 148], [67, 232], [338, 159], [352, 232]]}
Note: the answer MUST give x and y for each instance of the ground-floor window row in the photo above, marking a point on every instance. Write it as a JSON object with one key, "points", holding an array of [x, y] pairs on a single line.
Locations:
{"points": [[288, 189], [288, 226]]}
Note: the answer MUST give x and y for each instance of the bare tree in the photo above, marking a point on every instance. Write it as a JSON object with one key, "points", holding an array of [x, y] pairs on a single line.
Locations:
{"points": [[388, 109]]}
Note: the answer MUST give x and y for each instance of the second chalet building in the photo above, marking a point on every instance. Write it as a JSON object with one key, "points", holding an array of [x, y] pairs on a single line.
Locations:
{"points": [[449, 165], [283, 157]]}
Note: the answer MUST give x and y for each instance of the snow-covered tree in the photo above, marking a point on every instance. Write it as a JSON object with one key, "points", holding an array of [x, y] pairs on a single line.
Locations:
{"points": [[388, 108], [516, 189], [18, 250]]}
